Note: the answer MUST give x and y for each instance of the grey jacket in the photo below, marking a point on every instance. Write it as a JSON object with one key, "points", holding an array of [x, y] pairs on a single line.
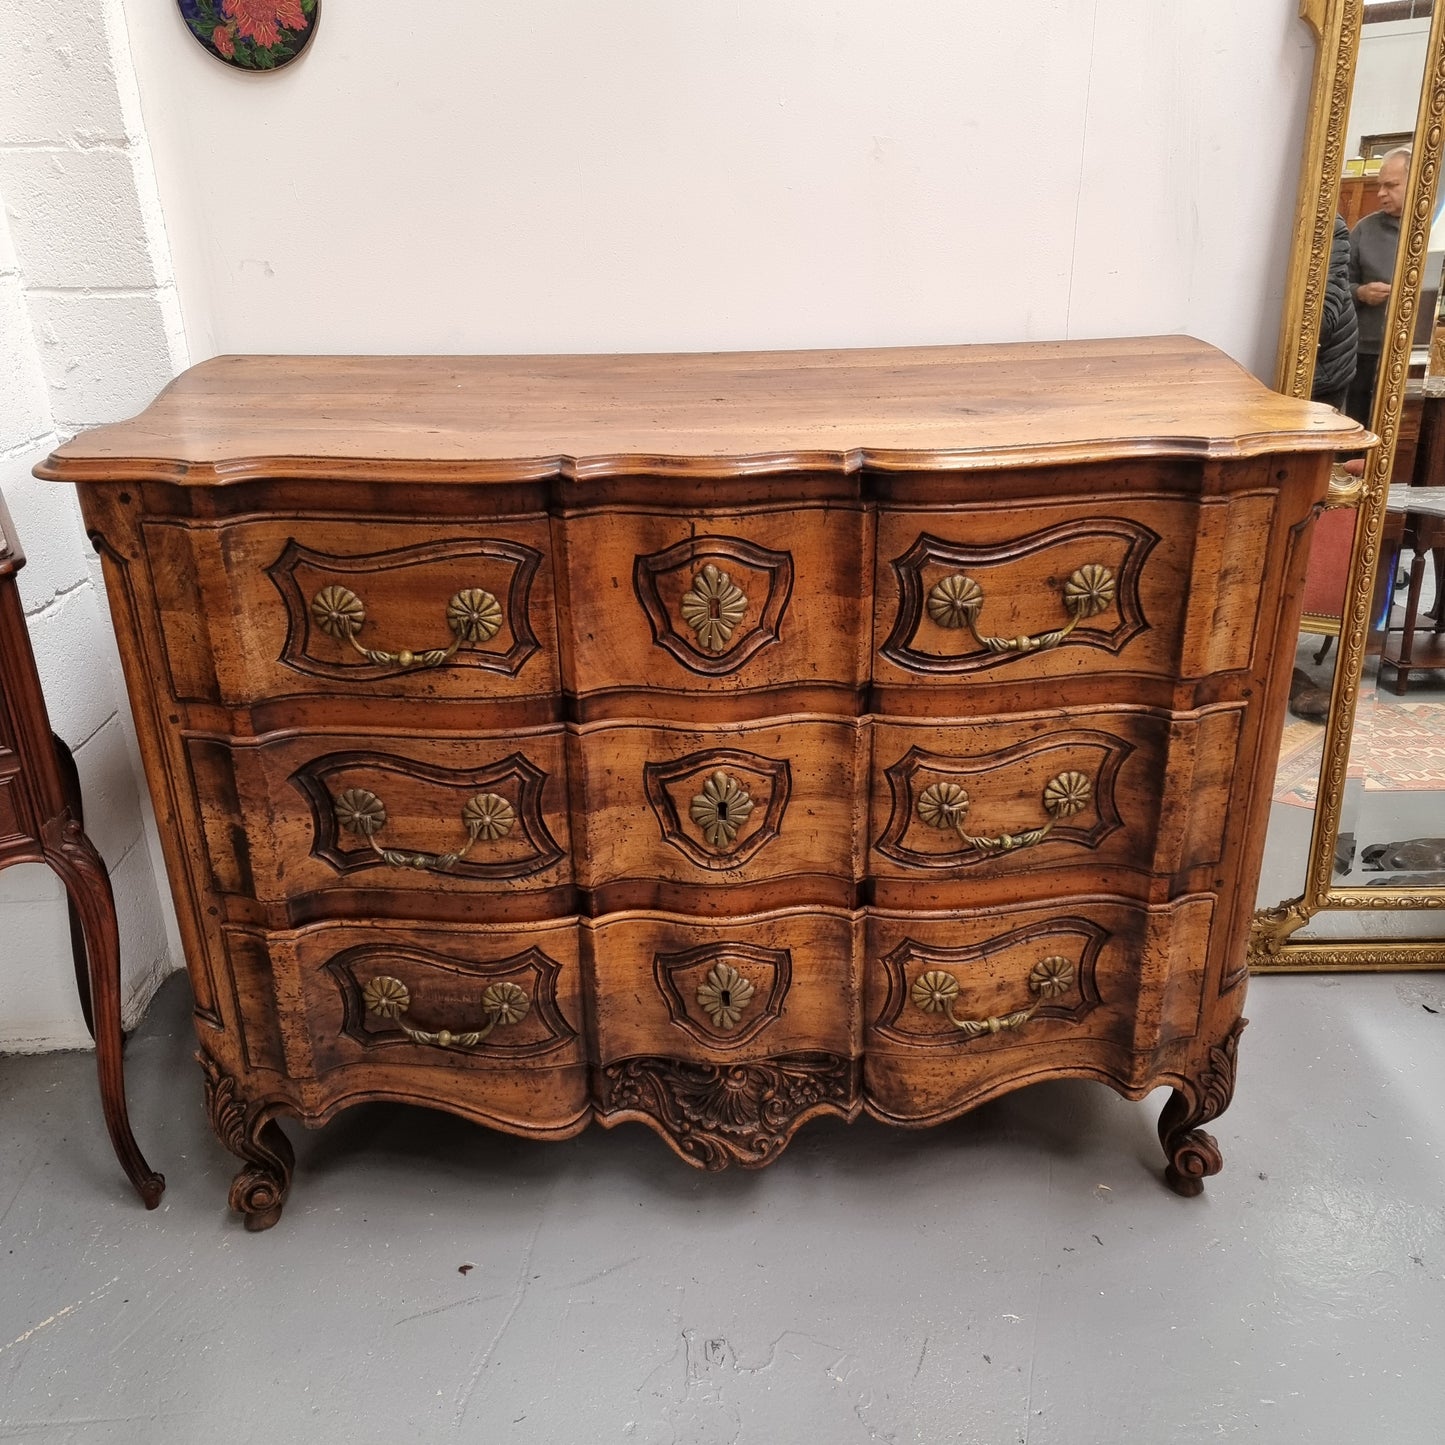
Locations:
{"points": [[1373, 244]]}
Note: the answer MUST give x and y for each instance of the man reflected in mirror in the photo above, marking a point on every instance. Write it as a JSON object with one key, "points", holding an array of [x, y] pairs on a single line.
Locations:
{"points": [[1373, 244]]}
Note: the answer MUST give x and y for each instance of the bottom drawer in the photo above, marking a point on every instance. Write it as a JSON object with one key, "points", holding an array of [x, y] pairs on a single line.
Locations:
{"points": [[963, 1006], [487, 1021], [726, 1037], [748, 988]]}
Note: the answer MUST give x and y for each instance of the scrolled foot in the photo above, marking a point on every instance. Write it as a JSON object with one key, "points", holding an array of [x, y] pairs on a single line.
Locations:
{"points": [[255, 1223], [1192, 1154], [259, 1189], [1193, 1158]]}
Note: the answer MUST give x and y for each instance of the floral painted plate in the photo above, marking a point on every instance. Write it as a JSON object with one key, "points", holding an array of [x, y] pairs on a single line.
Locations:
{"points": [[252, 34]]}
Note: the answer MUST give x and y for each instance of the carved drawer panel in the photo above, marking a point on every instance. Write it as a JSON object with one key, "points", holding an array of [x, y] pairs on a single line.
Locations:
{"points": [[964, 1006], [944, 985], [746, 988], [291, 816], [371, 608], [694, 809], [14, 821], [1106, 792], [15, 804], [960, 1006], [490, 1019], [1049, 588], [667, 605]]}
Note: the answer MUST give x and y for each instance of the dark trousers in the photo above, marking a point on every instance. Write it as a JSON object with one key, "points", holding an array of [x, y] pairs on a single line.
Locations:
{"points": [[1361, 399]]}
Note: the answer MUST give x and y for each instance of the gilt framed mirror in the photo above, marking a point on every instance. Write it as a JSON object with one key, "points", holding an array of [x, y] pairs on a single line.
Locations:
{"points": [[1354, 874]]}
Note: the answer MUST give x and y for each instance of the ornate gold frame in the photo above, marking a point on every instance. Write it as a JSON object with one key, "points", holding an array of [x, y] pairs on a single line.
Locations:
{"points": [[1336, 25]]}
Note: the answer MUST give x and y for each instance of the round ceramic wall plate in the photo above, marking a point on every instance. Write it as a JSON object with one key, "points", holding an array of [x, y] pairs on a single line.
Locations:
{"points": [[252, 34]]}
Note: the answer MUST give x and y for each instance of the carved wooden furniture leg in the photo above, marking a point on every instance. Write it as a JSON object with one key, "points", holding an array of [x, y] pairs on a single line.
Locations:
{"points": [[1194, 1155], [40, 823], [1416, 647], [70, 786], [259, 1190], [73, 857]]}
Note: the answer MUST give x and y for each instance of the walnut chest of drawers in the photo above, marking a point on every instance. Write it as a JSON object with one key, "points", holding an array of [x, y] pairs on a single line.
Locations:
{"points": [[711, 741]]}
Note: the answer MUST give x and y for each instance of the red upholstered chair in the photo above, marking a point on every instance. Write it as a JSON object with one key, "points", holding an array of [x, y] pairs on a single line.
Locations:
{"points": [[1327, 576]]}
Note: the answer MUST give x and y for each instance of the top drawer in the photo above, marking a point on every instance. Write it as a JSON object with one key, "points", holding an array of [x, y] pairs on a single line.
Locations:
{"points": [[733, 606], [1014, 591], [368, 607]]}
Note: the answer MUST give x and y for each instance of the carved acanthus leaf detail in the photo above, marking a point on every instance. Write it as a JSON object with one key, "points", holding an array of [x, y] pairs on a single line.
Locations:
{"points": [[1194, 1155], [259, 1190], [717, 1114]]}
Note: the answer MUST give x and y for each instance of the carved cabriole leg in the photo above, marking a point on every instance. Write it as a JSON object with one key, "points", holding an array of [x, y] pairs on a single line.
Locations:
{"points": [[1194, 1155], [259, 1190], [72, 856], [70, 787]]}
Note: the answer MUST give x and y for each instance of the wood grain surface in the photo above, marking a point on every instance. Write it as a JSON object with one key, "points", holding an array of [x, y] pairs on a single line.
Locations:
{"points": [[723, 413]]}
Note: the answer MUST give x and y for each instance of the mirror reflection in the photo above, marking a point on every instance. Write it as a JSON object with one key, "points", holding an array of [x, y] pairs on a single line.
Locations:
{"points": [[1392, 832]]}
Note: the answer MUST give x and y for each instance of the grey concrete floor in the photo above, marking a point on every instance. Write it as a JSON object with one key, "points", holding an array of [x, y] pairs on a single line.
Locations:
{"points": [[1018, 1276]]}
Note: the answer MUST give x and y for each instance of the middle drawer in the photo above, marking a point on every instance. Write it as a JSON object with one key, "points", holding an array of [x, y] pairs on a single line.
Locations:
{"points": [[685, 817], [996, 810], [291, 816]]}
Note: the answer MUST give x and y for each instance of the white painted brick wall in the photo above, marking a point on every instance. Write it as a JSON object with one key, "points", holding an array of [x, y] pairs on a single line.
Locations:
{"points": [[67, 636], [70, 89], [24, 408], [90, 329], [104, 356], [51, 530], [76, 219]]}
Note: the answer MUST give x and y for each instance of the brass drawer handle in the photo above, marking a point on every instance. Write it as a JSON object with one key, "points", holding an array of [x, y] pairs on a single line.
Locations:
{"points": [[389, 998], [713, 606], [957, 600], [473, 615], [725, 995], [936, 992], [486, 818], [945, 805]]}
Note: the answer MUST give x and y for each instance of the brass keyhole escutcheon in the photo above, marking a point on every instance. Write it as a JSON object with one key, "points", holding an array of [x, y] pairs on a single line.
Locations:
{"points": [[713, 606], [721, 809], [725, 995]]}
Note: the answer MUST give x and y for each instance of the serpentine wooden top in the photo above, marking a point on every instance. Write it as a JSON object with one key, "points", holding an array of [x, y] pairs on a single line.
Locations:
{"points": [[727, 414]]}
